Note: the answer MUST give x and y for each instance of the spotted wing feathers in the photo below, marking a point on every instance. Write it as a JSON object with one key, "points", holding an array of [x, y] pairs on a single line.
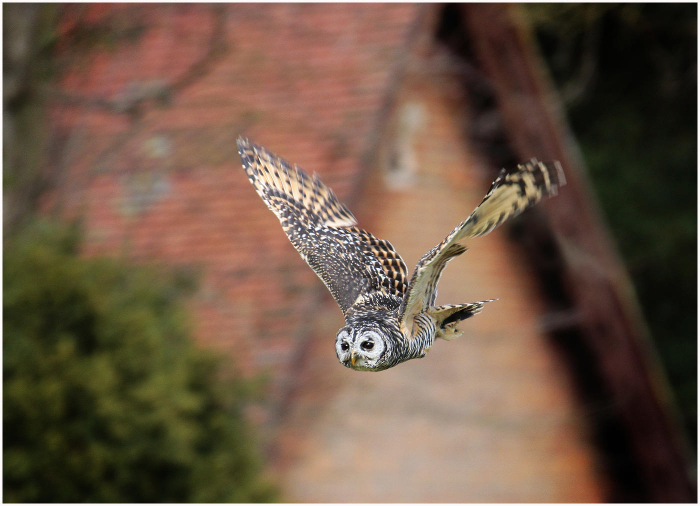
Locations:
{"points": [[352, 263], [395, 281], [509, 195], [288, 189]]}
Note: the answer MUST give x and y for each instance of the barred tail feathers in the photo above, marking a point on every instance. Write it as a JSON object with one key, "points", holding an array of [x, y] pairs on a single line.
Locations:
{"points": [[447, 317]]}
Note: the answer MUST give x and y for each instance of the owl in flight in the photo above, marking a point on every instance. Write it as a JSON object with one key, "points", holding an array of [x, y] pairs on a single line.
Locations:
{"points": [[388, 318]]}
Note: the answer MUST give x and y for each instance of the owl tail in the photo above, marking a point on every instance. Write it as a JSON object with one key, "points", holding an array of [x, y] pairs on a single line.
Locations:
{"points": [[447, 317]]}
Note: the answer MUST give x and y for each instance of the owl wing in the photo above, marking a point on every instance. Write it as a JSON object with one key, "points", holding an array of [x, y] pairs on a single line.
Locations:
{"points": [[509, 195], [350, 261]]}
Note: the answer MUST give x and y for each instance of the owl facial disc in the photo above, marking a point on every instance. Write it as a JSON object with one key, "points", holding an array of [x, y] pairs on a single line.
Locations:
{"points": [[361, 350]]}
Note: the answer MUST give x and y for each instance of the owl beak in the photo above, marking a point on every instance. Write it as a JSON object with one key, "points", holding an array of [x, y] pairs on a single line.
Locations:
{"points": [[352, 357]]}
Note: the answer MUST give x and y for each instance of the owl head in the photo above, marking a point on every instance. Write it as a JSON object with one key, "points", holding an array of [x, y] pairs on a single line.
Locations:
{"points": [[366, 347]]}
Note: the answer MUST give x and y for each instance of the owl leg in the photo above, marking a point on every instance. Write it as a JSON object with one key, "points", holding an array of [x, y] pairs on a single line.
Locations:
{"points": [[447, 317]]}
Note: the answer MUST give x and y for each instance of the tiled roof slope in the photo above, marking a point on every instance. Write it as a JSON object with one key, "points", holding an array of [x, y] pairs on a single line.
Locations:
{"points": [[159, 178]]}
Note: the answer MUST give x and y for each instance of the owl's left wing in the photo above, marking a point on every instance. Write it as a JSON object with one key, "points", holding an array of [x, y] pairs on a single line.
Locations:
{"points": [[509, 195], [350, 261]]}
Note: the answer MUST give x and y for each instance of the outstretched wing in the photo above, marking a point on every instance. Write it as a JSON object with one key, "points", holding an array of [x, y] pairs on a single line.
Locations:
{"points": [[510, 194], [351, 262]]}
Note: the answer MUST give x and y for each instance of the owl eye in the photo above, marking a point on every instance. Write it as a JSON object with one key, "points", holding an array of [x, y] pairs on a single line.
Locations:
{"points": [[344, 346], [367, 345]]}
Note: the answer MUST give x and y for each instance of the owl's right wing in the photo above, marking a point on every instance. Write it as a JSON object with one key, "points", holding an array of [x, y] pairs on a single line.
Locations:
{"points": [[509, 195], [350, 261]]}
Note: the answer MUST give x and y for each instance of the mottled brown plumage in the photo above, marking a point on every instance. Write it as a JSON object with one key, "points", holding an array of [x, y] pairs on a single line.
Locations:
{"points": [[388, 320]]}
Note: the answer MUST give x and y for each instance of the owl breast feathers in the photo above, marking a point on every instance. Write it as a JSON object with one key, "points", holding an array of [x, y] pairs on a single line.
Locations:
{"points": [[388, 319]]}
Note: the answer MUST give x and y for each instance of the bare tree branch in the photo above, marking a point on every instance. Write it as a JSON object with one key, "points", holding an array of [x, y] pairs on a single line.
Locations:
{"points": [[134, 98]]}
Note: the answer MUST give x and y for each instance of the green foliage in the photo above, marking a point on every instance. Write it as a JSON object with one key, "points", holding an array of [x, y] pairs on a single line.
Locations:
{"points": [[106, 399], [634, 67]]}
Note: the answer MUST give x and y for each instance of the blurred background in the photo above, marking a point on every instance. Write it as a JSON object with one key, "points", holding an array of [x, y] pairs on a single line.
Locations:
{"points": [[163, 341]]}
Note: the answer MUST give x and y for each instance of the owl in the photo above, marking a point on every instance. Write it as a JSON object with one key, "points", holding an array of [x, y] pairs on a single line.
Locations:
{"points": [[389, 318]]}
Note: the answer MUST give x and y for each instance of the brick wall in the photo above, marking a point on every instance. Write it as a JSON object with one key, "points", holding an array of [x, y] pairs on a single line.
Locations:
{"points": [[160, 178], [146, 126]]}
